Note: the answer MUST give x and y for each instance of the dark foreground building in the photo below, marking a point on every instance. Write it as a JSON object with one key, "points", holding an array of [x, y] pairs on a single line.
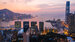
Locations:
{"points": [[72, 25], [49, 37]]}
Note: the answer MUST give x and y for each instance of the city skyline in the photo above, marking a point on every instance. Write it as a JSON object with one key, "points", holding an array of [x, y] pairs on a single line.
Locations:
{"points": [[37, 6], [37, 20]]}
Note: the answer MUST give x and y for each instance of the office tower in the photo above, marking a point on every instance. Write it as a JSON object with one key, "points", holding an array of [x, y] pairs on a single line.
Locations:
{"points": [[72, 23], [25, 25], [33, 27], [67, 11], [17, 24], [67, 7], [41, 26]]}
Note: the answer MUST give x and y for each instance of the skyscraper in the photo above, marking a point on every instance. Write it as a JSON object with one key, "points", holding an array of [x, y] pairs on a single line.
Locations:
{"points": [[33, 26], [72, 23], [17, 24], [41, 26], [67, 11], [25, 25]]}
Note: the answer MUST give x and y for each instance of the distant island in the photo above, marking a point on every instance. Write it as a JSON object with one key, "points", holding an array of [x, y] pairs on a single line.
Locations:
{"points": [[7, 15]]}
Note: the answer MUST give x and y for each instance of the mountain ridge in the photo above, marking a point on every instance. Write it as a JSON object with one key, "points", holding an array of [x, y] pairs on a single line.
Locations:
{"points": [[8, 15]]}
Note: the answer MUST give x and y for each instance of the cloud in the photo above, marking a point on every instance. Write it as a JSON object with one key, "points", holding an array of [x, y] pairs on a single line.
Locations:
{"points": [[16, 1], [43, 5], [73, 4], [4, 2], [50, 7], [26, 1]]}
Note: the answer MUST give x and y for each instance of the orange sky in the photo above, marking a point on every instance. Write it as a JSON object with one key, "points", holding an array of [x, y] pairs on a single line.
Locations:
{"points": [[36, 6]]}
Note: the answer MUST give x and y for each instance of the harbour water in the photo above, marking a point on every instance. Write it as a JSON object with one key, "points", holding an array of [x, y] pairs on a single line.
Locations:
{"points": [[37, 19]]}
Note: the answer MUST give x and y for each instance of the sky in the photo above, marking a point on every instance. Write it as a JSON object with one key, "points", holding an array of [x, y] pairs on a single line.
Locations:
{"points": [[37, 6], [46, 9]]}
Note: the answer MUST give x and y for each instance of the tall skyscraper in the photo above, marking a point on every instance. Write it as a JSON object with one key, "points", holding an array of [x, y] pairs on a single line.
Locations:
{"points": [[67, 11], [41, 26], [17, 24], [25, 25], [33, 26], [72, 23]]}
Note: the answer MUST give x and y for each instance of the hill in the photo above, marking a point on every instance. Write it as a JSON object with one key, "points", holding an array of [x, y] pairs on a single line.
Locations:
{"points": [[7, 15]]}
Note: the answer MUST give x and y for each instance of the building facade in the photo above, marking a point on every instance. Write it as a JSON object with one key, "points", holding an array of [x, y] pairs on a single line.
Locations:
{"points": [[41, 26], [72, 23], [67, 11]]}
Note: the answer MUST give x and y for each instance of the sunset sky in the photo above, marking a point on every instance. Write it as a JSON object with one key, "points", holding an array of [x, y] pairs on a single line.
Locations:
{"points": [[37, 6]]}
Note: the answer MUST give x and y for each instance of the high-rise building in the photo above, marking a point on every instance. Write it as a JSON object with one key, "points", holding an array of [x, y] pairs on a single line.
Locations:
{"points": [[67, 11], [33, 26], [41, 26], [17, 24], [72, 23], [25, 25]]}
